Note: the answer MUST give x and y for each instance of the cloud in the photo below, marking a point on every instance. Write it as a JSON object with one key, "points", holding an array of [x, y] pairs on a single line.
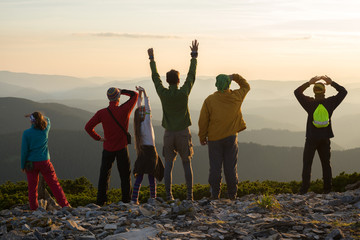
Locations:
{"points": [[128, 35]]}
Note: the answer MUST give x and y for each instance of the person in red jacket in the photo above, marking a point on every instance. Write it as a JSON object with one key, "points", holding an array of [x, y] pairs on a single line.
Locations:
{"points": [[114, 141]]}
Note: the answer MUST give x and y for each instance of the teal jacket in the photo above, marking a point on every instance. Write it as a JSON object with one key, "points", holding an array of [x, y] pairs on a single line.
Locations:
{"points": [[174, 100], [34, 146]]}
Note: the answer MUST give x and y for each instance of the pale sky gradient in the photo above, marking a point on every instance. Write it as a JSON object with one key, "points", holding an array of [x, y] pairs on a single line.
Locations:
{"points": [[260, 39]]}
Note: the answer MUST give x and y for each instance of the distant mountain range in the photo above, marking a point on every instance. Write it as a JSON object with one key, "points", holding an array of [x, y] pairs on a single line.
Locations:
{"points": [[269, 104], [76, 154], [270, 149]]}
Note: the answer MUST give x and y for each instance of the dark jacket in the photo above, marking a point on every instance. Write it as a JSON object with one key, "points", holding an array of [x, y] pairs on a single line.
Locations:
{"points": [[310, 104], [174, 100]]}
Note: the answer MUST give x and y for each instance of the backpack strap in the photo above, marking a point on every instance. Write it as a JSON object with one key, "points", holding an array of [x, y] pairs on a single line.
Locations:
{"points": [[126, 133]]}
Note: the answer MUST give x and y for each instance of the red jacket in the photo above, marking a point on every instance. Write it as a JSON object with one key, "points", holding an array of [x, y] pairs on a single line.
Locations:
{"points": [[115, 138]]}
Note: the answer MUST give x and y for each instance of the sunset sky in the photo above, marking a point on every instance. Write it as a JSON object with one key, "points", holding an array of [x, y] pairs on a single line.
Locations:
{"points": [[260, 39]]}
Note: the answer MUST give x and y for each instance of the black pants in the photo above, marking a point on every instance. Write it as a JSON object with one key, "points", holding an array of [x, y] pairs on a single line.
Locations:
{"points": [[123, 166], [323, 148]]}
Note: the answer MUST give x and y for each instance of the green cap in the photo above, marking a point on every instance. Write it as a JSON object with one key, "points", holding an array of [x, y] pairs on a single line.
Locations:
{"points": [[222, 82]]}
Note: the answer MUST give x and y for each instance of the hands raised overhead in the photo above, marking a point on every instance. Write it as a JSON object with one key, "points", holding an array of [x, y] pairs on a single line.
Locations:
{"points": [[318, 78], [194, 49]]}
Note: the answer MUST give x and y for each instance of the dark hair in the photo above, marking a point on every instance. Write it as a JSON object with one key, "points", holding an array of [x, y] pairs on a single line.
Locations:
{"points": [[172, 77], [137, 124], [40, 122]]}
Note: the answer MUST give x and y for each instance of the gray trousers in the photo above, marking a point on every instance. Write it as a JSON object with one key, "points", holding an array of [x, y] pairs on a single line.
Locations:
{"points": [[178, 142], [223, 152]]}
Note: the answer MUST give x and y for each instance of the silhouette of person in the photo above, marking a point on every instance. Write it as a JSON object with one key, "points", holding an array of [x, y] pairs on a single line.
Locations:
{"points": [[219, 123], [318, 139], [147, 157], [35, 159], [176, 119], [114, 141]]}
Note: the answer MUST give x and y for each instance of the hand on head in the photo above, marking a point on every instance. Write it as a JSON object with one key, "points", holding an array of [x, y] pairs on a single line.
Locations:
{"points": [[326, 79], [314, 79], [318, 78]]}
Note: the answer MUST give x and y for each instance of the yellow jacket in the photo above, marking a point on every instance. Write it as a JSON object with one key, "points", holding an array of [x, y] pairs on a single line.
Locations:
{"points": [[220, 115]]}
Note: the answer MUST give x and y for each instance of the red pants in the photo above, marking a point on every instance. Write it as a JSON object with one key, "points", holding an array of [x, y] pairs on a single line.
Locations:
{"points": [[47, 170]]}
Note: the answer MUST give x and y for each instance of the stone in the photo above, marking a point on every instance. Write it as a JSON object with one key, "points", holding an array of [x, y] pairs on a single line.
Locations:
{"points": [[87, 237], [74, 226], [110, 227], [335, 234], [298, 228], [357, 205], [136, 234], [353, 186], [145, 212], [309, 216], [3, 230], [26, 227], [203, 228]]}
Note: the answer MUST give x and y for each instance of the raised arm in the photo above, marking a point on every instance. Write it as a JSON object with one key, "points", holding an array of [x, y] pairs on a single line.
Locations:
{"points": [[244, 85], [139, 102], [299, 92], [341, 90], [190, 79], [154, 73], [146, 99], [129, 104]]}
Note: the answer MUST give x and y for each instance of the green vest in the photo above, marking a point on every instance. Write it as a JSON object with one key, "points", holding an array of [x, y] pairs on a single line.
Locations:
{"points": [[321, 117]]}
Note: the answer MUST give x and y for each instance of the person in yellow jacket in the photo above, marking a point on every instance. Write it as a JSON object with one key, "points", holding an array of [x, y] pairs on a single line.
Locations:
{"points": [[220, 121]]}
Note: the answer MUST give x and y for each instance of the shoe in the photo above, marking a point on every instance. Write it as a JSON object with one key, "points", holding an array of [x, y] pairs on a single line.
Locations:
{"points": [[170, 198], [135, 202], [232, 198]]}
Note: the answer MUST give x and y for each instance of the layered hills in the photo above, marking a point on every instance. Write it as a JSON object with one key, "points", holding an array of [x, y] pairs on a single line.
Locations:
{"points": [[75, 154]]}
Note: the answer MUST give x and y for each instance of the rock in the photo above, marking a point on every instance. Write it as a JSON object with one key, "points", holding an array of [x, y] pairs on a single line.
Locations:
{"points": [[353, 186], [3, 230], [357, 205], [145, 212], [74, 226], [136, 234], [26, 227], [309, 216], [87, 237], [335, 234], [110, 227]]}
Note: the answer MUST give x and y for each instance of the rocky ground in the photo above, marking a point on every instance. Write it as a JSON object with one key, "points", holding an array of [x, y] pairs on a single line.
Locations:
{"points": [[309, 216]]}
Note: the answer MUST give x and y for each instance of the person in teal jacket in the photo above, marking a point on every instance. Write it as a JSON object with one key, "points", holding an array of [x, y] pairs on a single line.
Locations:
{"points": [[176, 119], [35, 159]]}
